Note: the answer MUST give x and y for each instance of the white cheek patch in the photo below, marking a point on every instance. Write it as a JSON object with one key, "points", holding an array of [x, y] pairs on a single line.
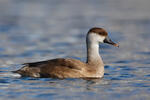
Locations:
{"points": [[101, 39], [95, 37]]}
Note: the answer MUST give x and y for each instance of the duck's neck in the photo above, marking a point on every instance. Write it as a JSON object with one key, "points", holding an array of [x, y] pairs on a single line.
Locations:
{"points": [[93, 56]]}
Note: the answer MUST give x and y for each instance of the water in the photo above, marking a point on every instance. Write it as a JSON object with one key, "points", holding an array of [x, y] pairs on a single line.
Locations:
{"points": [[32, 30]]}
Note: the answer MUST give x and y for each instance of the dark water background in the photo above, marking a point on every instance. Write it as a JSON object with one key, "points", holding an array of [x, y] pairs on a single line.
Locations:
{"points": [[35, 30]]}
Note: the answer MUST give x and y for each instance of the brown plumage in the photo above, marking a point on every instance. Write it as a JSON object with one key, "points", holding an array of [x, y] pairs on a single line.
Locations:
{"points": [[72, 68], [57, 68], [99, 31]]}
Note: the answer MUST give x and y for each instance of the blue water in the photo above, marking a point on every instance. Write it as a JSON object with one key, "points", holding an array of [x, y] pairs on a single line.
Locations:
{"points": [[35, 30]]}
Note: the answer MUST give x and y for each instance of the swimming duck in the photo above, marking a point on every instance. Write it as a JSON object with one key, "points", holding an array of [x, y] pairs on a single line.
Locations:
{"points": [[72, 68]]}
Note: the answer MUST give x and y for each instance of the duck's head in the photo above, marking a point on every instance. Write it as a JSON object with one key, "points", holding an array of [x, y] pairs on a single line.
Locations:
{"points": [[99, 35]]}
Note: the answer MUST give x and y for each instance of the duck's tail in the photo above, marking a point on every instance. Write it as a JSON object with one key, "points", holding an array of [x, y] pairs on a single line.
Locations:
{"points": [[10, 74], [27, 71]]}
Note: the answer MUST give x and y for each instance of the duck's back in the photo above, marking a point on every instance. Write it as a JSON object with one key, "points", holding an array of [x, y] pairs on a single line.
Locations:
{"points": [[56, 68]]}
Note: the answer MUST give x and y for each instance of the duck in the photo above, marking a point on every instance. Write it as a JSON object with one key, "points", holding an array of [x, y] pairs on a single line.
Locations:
{"points": [[72, 68]]}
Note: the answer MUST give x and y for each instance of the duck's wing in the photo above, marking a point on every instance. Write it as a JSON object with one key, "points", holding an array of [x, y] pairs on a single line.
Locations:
{"points": [[70, 63], [57, 68]]}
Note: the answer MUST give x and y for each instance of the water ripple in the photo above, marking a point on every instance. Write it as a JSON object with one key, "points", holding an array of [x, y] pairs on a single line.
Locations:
{"points": [[33, 30]]}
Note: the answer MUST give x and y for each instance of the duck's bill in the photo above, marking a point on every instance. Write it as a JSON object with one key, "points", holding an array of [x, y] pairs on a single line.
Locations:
{"points": [[109, 41]]}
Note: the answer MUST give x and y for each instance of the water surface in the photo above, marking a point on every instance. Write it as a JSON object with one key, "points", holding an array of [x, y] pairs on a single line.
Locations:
{"points": [[32, 30]]}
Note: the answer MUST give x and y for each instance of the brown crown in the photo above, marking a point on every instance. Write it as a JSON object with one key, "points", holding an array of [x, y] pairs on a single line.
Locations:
{"points": [[99, 31]]}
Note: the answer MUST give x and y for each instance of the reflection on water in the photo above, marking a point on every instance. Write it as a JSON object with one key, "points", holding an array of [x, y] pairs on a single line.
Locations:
{"points": [[32, 30]]}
